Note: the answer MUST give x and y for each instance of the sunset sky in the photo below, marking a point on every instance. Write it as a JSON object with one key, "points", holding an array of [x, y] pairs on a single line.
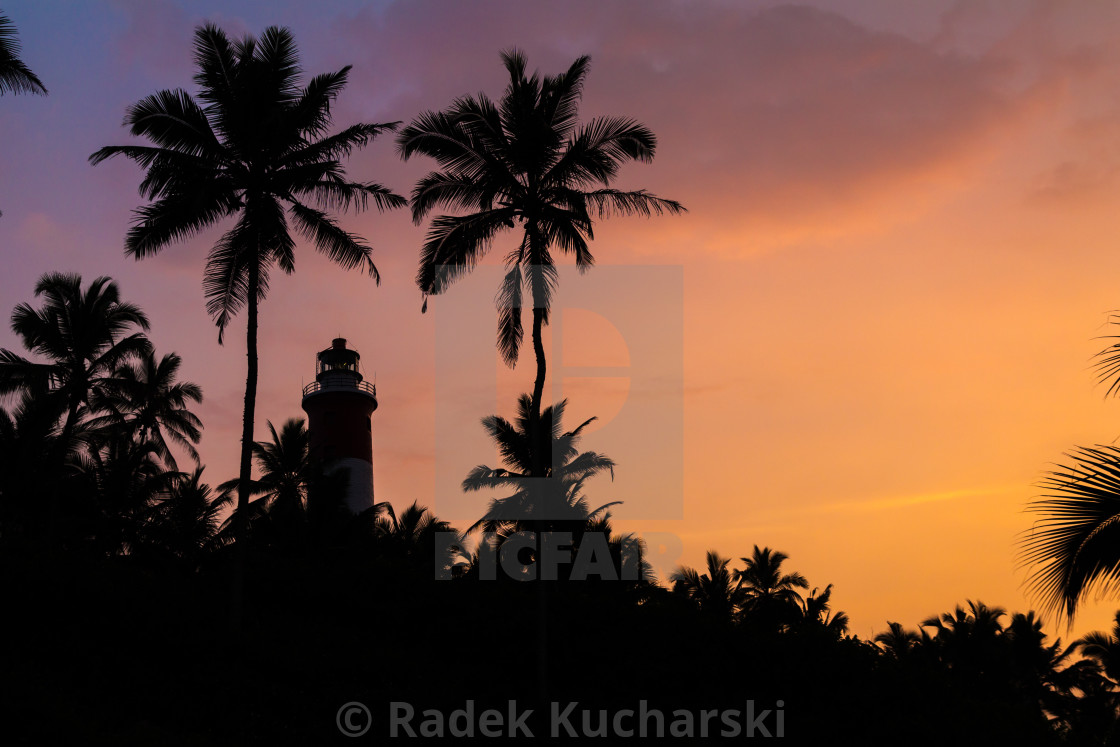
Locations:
{"points": [[865, 343]]}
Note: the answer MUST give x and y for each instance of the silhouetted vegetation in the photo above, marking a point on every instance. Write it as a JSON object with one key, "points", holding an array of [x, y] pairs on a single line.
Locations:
{"points": [[15, 76], [255, 149], [523, 163], [117, 568], [1075, 545]]}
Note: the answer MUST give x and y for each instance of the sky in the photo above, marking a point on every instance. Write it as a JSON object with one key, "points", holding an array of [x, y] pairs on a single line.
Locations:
{"points": [[864, 345]]}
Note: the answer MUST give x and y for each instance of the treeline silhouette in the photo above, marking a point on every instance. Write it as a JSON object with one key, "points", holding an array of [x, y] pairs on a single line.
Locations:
{"points": [[117, 567]]}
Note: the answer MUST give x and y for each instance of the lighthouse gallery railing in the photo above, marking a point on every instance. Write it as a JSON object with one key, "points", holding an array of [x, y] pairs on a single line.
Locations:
{"points": [[334, 386]]}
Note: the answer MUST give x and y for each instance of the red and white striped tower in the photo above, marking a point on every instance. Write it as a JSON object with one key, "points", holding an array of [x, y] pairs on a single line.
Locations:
{"points": [[339, 405]]}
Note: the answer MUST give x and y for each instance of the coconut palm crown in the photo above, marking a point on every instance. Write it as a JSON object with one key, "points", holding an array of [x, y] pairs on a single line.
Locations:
{"points": [[522, 163]]}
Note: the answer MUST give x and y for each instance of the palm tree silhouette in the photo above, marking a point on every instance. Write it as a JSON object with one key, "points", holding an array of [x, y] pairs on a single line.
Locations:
{"points": [[1075, 543], [1039, 669], [84, 337], [979, 621], [552, 502], [628, 550], [816, 612], [144, 399], [969, 639], [1104, 648], [769, 596], [286, 474], [410, 537], [714, 592], [523, 159], [186, 520], [122, 480], [537, 501], [15, 76], [285, 466], [256, 149], [1028, 647], [898, 641]]}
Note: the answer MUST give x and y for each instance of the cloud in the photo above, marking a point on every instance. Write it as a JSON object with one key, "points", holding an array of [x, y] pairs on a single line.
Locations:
{"points": [[808, 123], [803, 123], [906, 501], [42, 233], [1073, 182]]}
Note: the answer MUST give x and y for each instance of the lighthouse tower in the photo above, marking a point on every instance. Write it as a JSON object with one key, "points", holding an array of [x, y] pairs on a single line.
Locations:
{"points": [[339, 405]]}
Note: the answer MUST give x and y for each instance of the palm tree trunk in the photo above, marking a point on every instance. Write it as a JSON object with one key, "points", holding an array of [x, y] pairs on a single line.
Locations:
{"points": [[62, 447], [68, 426], [241, 517], [245, 474], [538, 385], [537, 282], [542, 462]]}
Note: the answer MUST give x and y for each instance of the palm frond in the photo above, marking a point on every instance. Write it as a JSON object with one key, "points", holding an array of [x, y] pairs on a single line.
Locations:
{"points": [[172, 120], [15, 76], [508, 300], [610, 202], [1074, 544], [225, 281], [454, 245], [343, 248]]}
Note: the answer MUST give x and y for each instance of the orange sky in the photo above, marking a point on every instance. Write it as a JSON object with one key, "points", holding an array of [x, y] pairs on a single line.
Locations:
{"points": [[900, 246]]}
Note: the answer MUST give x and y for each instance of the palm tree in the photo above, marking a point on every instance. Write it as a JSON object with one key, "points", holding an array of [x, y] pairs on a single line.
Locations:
{"points": [[15, 76], [285, 466], [1039, 669], [969, 639], [769, 595], [84, 337], [898, 641], [256, 149], [538, 500], [412, 535], [122, 480], [1104, 648], [1075, 543], [145, 399], [551, 502], [186, 520], [816, 611], [979, 621], [522, 160], [714, 592], [286, 473], [628, 551], [1028, 647]]}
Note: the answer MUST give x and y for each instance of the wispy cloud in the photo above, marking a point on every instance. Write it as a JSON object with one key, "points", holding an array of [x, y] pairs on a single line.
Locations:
{"points": [[906, 501]]}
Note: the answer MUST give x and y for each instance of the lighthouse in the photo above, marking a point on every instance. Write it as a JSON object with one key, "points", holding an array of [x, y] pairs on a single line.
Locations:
{"points": [[339, 405]]}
